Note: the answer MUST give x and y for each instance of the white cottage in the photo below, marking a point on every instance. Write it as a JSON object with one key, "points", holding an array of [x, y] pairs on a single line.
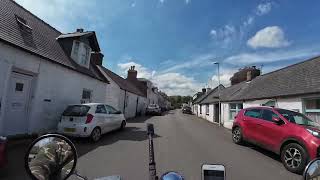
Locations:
{"points": [[123, 94], [296, 87], [42, 71]]}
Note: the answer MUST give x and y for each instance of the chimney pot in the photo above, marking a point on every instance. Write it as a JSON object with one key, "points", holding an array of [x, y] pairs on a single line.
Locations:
{"points": [[80, 30]]}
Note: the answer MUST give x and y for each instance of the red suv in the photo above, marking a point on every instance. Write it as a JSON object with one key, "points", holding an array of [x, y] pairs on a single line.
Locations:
{"points": [[290, 134]]}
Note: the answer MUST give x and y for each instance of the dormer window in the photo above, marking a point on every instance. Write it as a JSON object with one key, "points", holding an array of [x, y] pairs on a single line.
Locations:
{"points": [[26, 31], [81, 53]]}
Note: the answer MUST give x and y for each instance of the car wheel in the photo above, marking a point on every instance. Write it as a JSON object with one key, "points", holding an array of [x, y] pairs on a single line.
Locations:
{"points": [[123, 125], [294, 157], [237, 135], [95, 134]]}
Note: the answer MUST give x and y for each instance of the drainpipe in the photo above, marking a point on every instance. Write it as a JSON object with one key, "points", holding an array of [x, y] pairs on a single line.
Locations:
{"points": [[124, 102]]}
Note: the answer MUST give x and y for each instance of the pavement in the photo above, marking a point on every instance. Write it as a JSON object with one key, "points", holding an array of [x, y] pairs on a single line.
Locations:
{"points": [[182, 143]]}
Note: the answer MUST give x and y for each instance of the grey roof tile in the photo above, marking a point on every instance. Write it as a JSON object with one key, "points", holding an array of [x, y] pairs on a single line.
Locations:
{"points": [[123, 83]]}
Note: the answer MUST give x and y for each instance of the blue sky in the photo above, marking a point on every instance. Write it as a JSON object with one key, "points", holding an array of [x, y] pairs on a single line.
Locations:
{"points": [[174, 42]]}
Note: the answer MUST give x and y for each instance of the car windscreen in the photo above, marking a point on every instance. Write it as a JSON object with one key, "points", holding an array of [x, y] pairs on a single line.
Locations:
{"points": [[76, 110]]}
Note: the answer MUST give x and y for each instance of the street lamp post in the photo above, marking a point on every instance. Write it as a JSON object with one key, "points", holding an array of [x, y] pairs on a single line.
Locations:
{"points": [[217, 63]]}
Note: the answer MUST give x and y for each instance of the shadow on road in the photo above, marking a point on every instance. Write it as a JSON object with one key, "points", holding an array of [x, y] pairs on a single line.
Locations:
{"points": [[84, 146], [167, 112], [139, 119], [265, 152]]}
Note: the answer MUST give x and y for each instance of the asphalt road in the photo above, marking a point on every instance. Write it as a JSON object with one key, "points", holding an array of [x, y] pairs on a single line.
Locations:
{"points": [[182, 143]]}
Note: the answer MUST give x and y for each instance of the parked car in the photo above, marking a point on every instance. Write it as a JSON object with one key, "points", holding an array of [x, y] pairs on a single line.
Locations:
{"points": [[186, 110], [90, 120], [3, 152], [153, 109], [292, 135]]}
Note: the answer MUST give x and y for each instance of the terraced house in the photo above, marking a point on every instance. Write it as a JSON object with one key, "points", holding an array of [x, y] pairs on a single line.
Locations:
{"points": [[296, 87], [43, 70]]}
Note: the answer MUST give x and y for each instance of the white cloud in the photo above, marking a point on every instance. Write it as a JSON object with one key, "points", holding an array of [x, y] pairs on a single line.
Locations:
{"points": [[170, 83], [213, 33], [161, 1], [142, 71], [264, 8], [225, 75], [197, 62], [274, 56], [187, 1], [225, 35], [248, 21], [269, 37]]}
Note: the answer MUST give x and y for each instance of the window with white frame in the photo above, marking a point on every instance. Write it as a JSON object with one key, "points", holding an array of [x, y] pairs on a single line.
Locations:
{"points": [[81, 53], [234, 108], [312, 108], [312, 105], [207, 109]]}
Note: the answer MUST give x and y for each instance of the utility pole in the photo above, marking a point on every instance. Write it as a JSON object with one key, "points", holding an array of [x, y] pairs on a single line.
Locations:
{"points": [[217, 63]]}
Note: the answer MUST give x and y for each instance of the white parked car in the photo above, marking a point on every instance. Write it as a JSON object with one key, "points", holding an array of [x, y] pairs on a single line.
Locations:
{"points": [[90, 120], [153, 109]]}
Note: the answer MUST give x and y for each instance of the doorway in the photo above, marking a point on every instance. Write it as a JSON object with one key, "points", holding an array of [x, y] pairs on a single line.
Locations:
{"points": [[216, 113], [17, 104]]}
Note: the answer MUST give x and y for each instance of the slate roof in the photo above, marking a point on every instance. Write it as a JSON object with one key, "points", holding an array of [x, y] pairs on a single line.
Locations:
{"points": [[123, 83], [231, 93], [297, 79], [43, 37], [204, 96]]}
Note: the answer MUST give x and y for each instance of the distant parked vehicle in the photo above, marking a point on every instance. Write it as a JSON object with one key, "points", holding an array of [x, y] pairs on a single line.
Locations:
{"points": [[290, 134], [186, 110], [90, 120], [153, 109], [3, 152]]}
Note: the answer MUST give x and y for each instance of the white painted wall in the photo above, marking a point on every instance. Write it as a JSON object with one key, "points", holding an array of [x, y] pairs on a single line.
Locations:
{"points": [[290, 103], [112, 94], [52, 81], [255, 103], [5, 70]]}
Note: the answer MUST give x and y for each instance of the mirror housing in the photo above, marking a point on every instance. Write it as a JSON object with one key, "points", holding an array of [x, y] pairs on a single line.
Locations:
{"points": [[277, 120], [312, 170], [40, 154]]}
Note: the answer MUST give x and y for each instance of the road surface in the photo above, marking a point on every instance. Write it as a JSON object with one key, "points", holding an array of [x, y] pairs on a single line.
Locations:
{"points": [[182, 143]]}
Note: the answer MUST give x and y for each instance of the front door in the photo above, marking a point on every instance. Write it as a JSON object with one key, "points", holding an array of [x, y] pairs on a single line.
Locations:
{"points": [[17, 106], [216, 113]]}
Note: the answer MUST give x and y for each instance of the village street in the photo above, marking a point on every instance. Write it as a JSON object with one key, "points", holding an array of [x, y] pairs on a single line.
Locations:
{"points": [[182, 143]]}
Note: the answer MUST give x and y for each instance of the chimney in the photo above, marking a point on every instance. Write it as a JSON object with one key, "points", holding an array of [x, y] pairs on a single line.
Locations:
{"points": [[96, 58], [249, 75], [245, 74], [132, 74], [80, 30], [208, 90], [204, 90]]}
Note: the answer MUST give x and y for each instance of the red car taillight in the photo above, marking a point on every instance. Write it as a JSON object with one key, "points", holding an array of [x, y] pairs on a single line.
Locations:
{"points": [[89, 118]]}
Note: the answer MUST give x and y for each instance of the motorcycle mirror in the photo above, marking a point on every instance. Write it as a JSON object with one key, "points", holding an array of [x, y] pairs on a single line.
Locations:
{"points": [[171, 175], [51, 156], [312, 170]]}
